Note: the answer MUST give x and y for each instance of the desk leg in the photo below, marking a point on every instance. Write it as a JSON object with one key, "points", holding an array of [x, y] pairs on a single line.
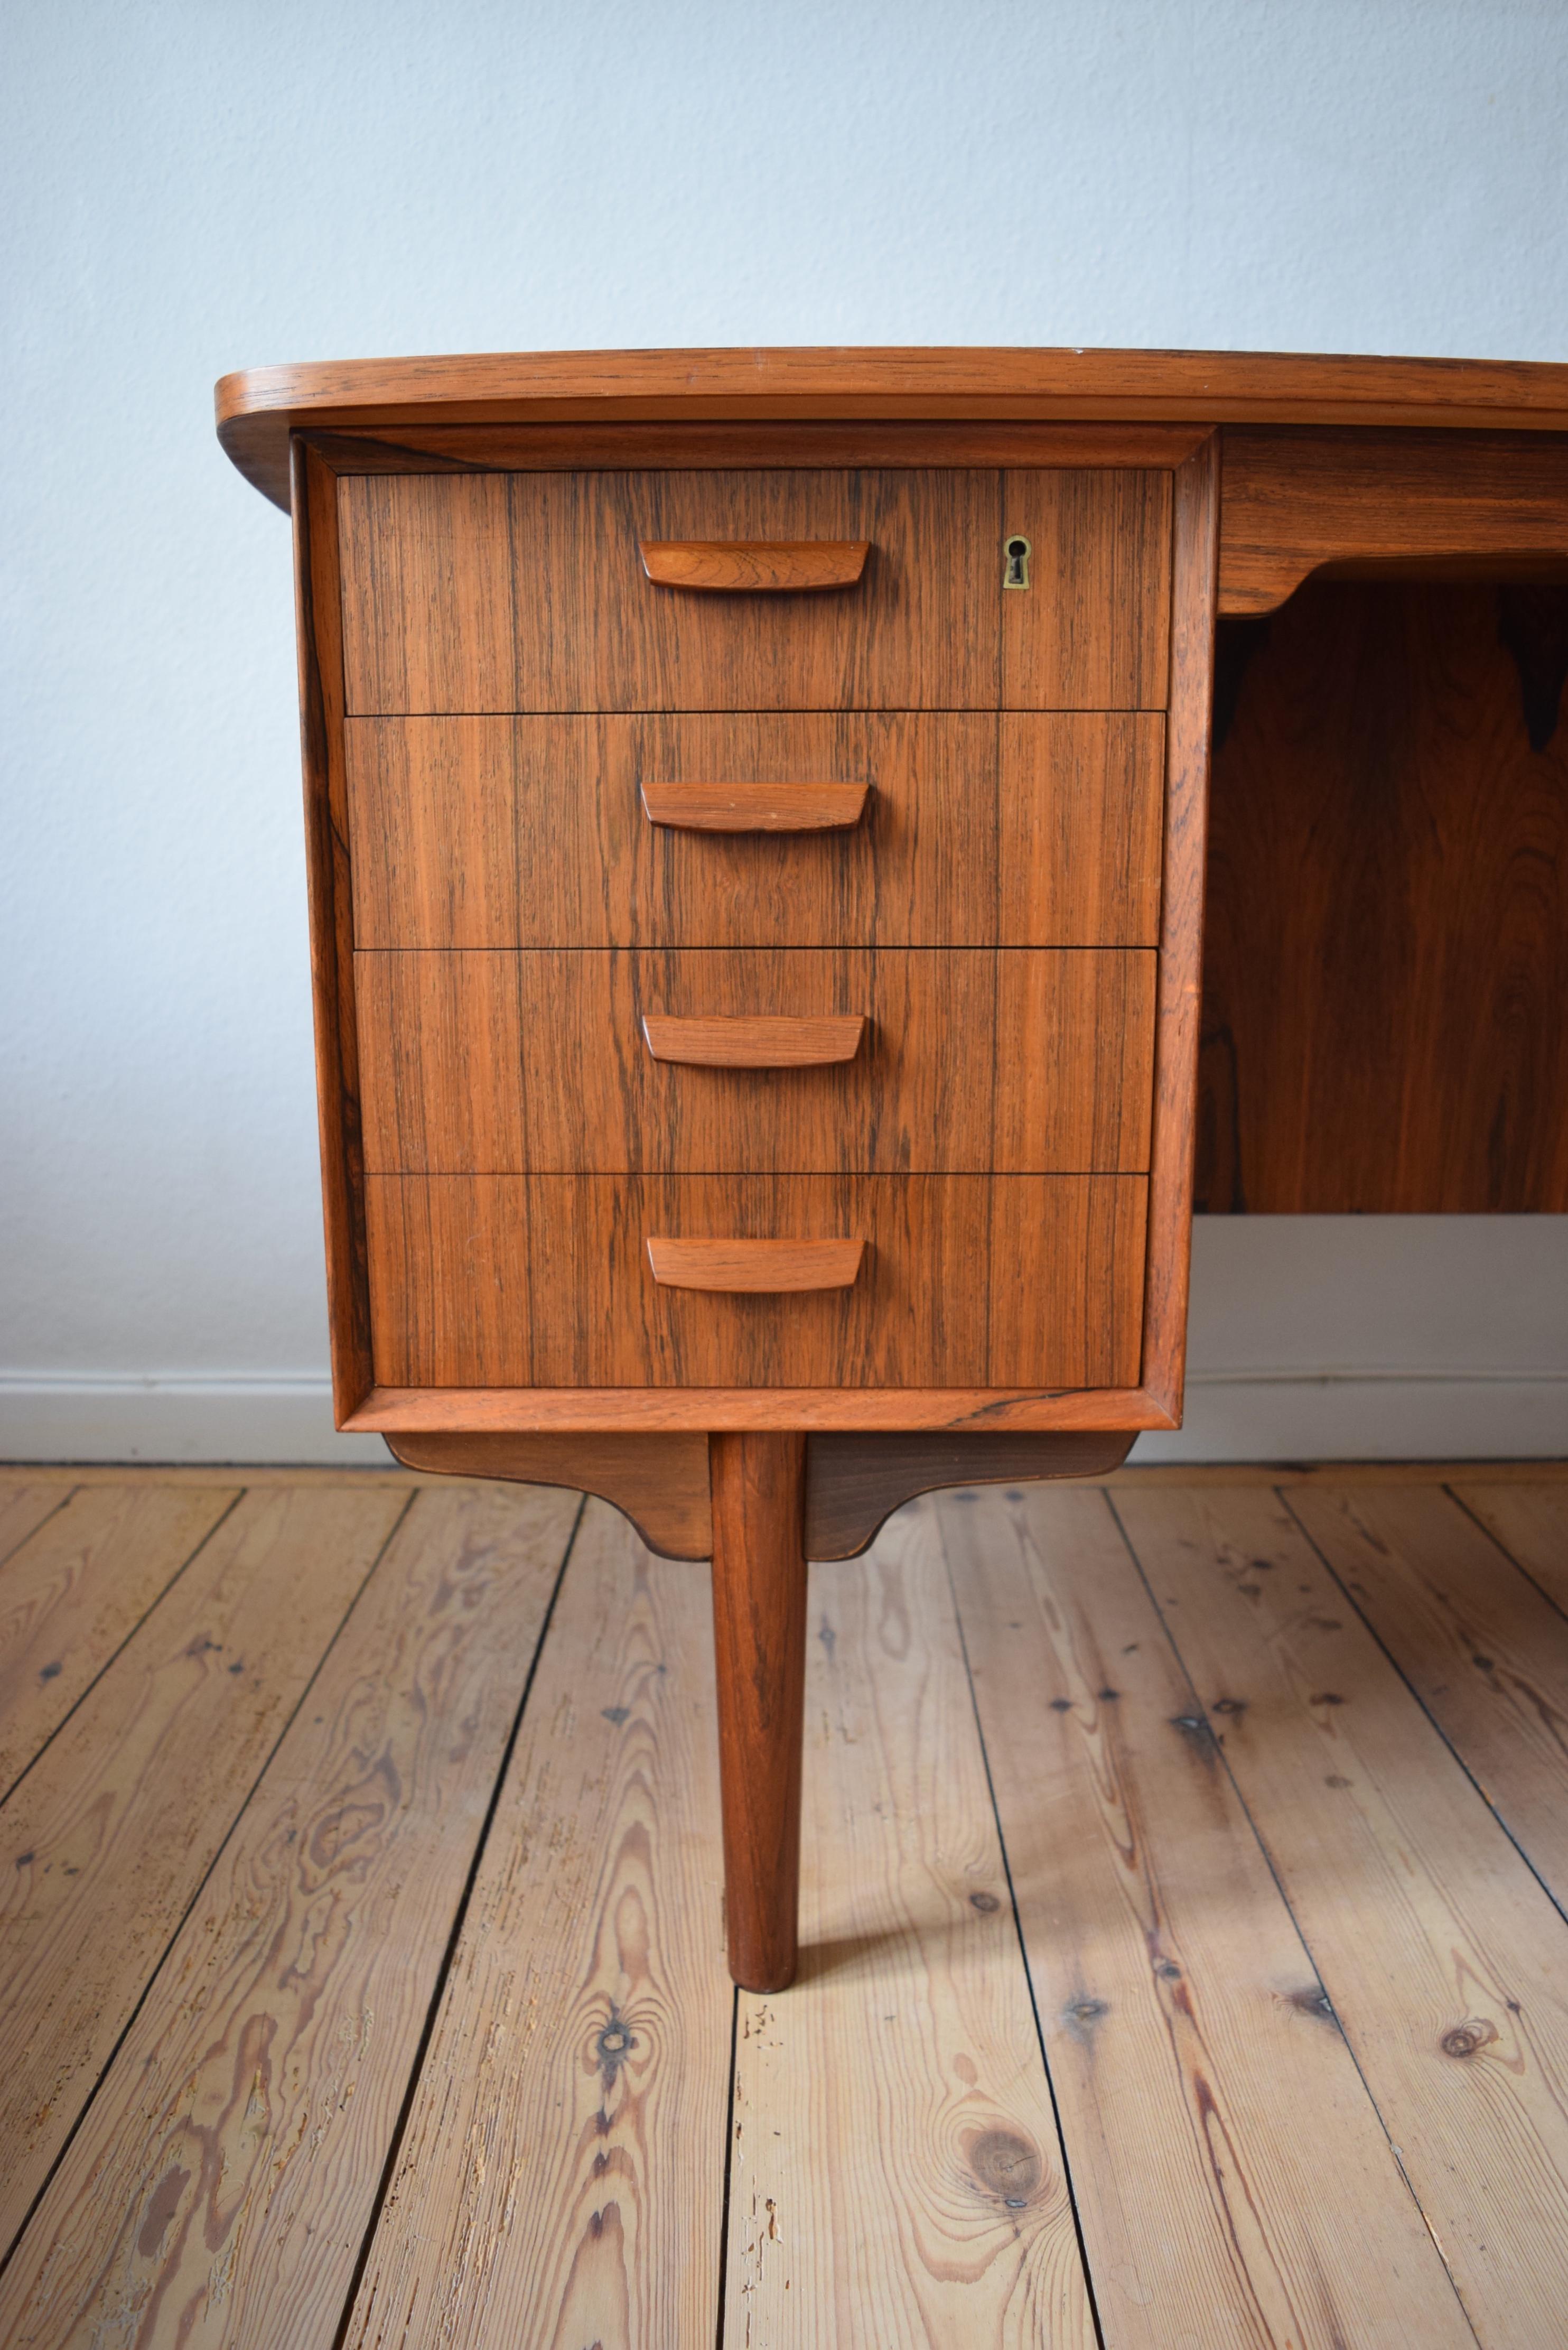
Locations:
{"points": [[758, 1487]]}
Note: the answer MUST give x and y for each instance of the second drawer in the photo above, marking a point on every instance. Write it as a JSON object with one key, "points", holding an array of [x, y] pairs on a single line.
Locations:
{"points": [[1023, 828], [1017, 1060]]}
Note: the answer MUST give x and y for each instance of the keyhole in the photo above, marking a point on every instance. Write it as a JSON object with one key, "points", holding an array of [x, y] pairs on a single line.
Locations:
{"points": [[1016, 574]]}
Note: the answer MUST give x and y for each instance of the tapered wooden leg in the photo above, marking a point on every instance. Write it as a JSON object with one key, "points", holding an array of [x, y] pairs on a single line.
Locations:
{"points": [[758, 1485]]}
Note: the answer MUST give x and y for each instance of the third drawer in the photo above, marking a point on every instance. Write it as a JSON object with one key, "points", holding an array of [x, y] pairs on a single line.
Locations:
{"points": [[1017, 1060]]}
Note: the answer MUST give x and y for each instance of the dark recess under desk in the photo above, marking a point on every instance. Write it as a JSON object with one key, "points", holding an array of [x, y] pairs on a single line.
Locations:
{"points": [[1385, 953]]}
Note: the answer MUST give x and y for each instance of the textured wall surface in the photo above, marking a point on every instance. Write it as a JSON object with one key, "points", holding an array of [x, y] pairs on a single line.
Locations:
{"points": [[190, 188]]}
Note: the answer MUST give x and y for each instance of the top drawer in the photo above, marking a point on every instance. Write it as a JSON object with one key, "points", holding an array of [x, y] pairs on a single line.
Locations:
{"points": [[518, 592]]}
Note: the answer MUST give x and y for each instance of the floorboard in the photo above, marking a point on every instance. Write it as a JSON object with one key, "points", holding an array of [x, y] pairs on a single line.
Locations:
{"points": [[1477, 1641], [1530, 1522], [1445, 1961], [1178, 1973], [226, 2171], [1235, 2184], [24, 1507], [73, 1592], [107, 1840], [896, 2174], [560, 2181]]}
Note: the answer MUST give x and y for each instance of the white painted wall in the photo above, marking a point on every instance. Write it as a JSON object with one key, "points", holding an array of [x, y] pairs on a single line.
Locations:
{"points": [[193, 187]]}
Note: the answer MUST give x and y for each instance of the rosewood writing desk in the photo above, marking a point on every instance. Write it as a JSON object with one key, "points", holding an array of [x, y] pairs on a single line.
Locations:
{"points": [[756, 809]]}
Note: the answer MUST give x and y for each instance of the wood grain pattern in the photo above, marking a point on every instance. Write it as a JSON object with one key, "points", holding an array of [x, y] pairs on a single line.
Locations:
{"points": [[1233, 2182], [759, 1579], [1081, 830], [1178, 1020], [1530, 1523], [853, 1483], [560, 2178], [1093, 628], [1439, 1952], [541, 1281], [1296, 500], [755, 807], [1387, 932], [896, 2174], [1484, 1649], [499, 1064], [890, 2213], [742, 566], [257, 407], [615, 1411], [24, 1507], [517, 592], [1072, 1054], [772, 1267], [122, 1817], [228, 2167], [1037, 830], [77, 1589], [523, 592], [660, 1483], [319, 622], [754, 1040]]}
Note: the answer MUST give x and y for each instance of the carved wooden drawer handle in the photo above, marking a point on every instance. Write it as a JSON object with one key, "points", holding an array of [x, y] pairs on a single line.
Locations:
{"points": [[755, 807], [750, 566], [754, 1266], [754, 1040]]}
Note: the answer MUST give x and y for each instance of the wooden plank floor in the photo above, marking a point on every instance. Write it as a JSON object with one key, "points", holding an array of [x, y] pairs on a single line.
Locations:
{"points": [[1184, 1881]]}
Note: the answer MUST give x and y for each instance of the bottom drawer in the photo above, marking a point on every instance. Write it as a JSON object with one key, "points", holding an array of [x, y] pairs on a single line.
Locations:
{"points": [[544, 1281]]}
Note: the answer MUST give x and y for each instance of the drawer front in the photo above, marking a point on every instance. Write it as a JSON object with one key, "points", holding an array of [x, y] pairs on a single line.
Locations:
{"points": [[540, 1063], [1092, 632], [965, 1280], [529, 592], [1026, 829]]}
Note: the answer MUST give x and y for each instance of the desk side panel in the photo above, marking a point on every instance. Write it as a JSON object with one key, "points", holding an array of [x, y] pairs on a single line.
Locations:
{"points": [[1195, 549], [318, 614]]}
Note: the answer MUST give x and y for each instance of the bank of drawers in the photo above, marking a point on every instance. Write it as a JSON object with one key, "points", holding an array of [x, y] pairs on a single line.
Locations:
{"points": [[960, 983]]}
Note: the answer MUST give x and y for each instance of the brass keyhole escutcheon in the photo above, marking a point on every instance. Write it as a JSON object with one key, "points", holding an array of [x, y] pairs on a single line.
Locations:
{"points": [[1016, 572]]}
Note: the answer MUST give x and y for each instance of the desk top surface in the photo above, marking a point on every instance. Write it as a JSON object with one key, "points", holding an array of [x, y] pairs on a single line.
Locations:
{"points": [[257, 408]]}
